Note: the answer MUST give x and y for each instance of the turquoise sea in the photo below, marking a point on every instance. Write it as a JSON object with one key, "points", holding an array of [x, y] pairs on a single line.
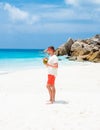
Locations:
{"points": [[13, 59], [18, 59]]}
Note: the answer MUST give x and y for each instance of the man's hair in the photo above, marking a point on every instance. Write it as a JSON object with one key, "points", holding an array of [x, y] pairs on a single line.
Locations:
{"points": [[52, 47]]}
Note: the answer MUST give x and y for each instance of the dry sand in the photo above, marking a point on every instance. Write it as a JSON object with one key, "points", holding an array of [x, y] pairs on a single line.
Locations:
{"points": [[23, 98]]}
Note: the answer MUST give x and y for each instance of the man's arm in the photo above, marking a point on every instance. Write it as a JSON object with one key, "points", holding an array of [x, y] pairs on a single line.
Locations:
{"points": [[53, 66]]}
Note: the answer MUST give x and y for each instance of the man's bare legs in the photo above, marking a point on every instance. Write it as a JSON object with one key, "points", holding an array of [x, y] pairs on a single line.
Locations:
{"points": [[52, 92]]}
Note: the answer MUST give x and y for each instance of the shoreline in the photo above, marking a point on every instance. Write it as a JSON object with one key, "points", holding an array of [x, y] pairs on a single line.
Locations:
{"points": [[62, 63], [73, 74]]}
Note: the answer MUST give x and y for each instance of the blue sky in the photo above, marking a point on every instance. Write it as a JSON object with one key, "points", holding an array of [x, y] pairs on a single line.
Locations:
{"points": [[40, 23]]}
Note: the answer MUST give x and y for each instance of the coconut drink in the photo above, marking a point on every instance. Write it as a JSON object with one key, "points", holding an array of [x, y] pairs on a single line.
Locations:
{"points": [[45, 60]]}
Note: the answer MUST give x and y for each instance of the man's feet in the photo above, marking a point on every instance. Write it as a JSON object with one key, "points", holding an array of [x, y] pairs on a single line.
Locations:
{"points": [[50, 101]]}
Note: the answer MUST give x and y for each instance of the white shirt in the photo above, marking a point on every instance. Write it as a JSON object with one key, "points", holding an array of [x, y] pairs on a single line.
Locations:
{"points": [[52, 60]]}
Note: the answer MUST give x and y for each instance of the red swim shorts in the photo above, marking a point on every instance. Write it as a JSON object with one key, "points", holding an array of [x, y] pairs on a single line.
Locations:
{"points": [[51, 80]]}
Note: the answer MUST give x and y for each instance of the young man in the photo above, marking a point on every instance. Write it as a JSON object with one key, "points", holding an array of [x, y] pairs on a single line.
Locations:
{"points": [[52, 66]]}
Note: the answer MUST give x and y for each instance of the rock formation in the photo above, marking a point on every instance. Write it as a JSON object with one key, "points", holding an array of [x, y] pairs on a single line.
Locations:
{"points": [[81, 50], [65, 48]]}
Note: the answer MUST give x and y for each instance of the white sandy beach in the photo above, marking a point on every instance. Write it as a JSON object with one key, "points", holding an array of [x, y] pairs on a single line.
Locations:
{"points": [[23, 98]]}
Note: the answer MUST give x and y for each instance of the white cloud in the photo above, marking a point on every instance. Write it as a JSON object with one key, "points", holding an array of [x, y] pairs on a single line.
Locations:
{"points": [[57, 28], [72, 2], [96, 1], [82, 2], [17, 14], [52, 13], [53, 18], [65, 15], [84, 9]]}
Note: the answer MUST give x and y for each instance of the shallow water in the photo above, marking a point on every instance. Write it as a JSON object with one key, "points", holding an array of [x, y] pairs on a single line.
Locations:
{"points": [[12, 60]]}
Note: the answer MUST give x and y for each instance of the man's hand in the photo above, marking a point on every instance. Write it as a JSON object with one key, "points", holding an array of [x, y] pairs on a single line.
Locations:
{"points": [[53, 66]]}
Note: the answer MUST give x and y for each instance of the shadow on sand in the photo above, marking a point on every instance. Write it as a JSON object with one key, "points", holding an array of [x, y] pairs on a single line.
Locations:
{"points": [[61, 102]]}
